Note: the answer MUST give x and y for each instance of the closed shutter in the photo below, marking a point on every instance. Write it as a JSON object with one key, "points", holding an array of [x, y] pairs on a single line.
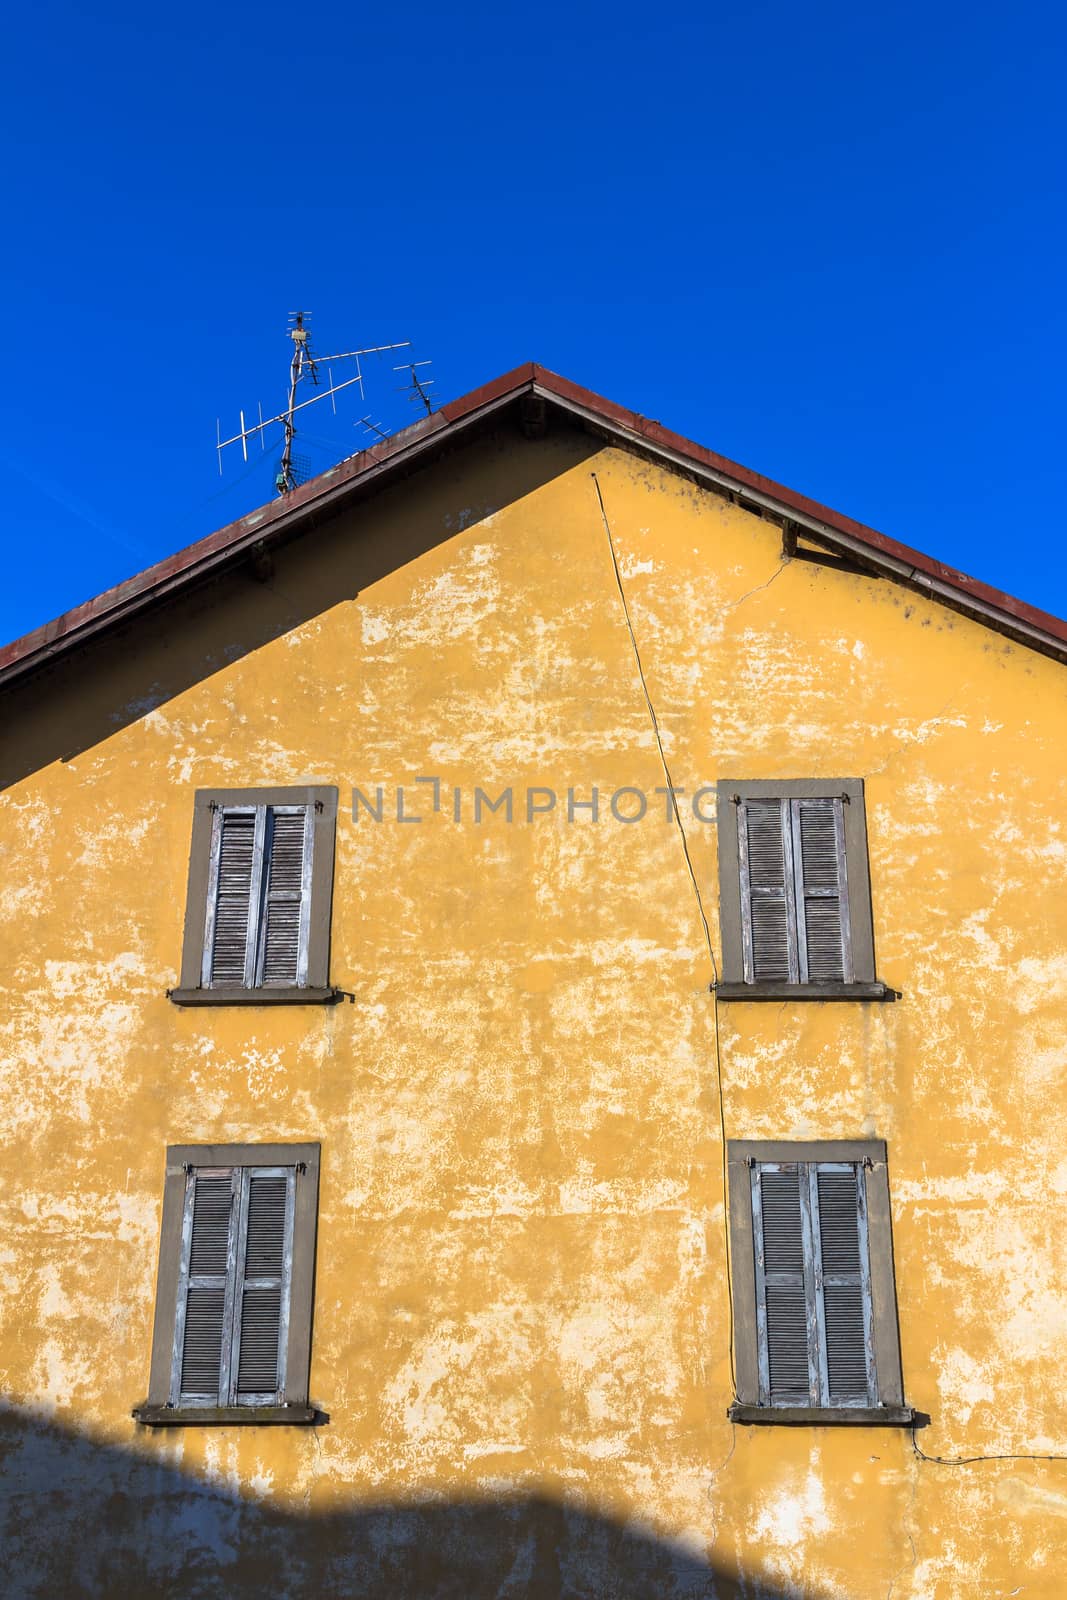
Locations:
{"points": [[813, 1299], [794, 891], [231, 906], [287, 897], [259, 897], [841, 1283], [202, 1315], [768, 917], [823, 940], [259, 1330], [783, 1273], [234, 1283]]}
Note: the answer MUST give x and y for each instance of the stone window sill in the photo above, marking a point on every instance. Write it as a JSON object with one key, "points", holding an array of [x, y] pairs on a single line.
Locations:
{"points": [[825, 1416], [279, 995], [805, 991], [219, 1416]]}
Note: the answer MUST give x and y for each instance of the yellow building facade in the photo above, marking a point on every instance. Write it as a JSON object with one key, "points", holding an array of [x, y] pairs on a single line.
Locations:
{"points": [[523, 1084]]}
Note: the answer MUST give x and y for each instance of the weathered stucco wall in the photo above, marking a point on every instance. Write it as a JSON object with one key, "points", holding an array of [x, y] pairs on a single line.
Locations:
{"points": [[521, 1288]]}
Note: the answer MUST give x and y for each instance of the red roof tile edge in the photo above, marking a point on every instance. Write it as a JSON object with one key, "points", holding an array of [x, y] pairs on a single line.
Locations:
{"points": [[319, 495]]}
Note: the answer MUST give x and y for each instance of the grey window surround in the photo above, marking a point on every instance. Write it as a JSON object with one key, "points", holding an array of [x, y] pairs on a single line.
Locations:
{"points": [[165, 1406], [859, 981], [312, 987], [751, 1403]]}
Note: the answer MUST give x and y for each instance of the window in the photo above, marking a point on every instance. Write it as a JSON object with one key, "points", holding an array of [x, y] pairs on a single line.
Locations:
{"points": [[814, 1298], [257, 922], [794, 892], [233, 1303]]}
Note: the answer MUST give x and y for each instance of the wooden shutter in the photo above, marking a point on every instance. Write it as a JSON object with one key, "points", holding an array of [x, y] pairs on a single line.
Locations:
{"points": [[258, 1360], [794, 891], [234, 1283], [768, 916], [208, 1246], [813, 1297], [288, 897], [842, 1281], [259, 897], [824, 945], [233, 892], [783, 1284]]}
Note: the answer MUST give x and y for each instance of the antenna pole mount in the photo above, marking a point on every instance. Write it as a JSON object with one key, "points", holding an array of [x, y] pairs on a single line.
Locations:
{"points": [[305, 364]]}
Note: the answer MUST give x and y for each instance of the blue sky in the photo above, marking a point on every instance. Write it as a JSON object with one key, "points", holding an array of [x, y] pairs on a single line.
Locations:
{"points": [[827, 241]]}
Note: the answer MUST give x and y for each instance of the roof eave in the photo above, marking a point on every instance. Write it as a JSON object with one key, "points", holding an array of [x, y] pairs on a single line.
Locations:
{"points": [[842, 535], [266, 525], [364, 473]]}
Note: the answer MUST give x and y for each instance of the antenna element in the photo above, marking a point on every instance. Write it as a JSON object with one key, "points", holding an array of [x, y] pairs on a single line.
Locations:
{"points": [[303, 365]]}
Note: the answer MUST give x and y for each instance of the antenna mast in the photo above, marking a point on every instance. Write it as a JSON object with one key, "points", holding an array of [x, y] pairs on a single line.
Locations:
{"points": [[302, 358], [417, 388], [302, 365]]}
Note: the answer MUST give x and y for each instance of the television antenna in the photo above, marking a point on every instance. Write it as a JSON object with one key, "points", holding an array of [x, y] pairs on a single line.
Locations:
{"points": [[416, 387], [370, 427], [303, 365]]}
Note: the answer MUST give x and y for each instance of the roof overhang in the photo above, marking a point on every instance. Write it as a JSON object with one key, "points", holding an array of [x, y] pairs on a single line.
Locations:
{"points": [[364, 474]]}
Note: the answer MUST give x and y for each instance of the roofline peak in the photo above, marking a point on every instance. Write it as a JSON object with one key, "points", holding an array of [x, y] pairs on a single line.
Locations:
{"points": [[830, 530]]}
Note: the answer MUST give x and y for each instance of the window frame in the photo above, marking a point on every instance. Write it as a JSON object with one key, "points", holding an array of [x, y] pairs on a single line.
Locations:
{"points": [[320, 801], [163, 1407], [734, 985], [870, 1157]]}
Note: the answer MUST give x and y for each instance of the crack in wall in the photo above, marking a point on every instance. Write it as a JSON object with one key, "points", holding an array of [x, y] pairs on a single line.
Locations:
{"points": [[909, 1516], [930, 722], [725, 611]]}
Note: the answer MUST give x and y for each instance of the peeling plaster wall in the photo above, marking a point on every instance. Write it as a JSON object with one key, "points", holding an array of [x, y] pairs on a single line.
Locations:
{"points": [[521, 1284]]}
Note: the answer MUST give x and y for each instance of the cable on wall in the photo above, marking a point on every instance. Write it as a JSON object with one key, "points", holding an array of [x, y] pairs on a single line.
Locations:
{"points": [[941, 1461], [656, 730], [967, 1461], [700, 908]]}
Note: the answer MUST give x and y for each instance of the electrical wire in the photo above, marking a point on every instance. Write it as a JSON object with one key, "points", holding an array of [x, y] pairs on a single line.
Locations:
{"points": [[700, 908], [725, 1207], [941, 1461], [266, 460], [967, 1461], [255, 465], [656, 730]]}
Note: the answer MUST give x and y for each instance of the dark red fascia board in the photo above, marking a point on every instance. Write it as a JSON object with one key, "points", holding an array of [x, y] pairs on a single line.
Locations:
{"points": [[811, 514], [320, 495]]}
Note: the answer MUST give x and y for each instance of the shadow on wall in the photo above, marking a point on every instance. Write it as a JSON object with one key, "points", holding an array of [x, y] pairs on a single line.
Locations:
{"points": [[83, 1519], [105, 685]]}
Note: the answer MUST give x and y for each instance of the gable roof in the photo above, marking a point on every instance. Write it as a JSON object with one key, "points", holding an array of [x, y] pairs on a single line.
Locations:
{"points": [[528, 389]]}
